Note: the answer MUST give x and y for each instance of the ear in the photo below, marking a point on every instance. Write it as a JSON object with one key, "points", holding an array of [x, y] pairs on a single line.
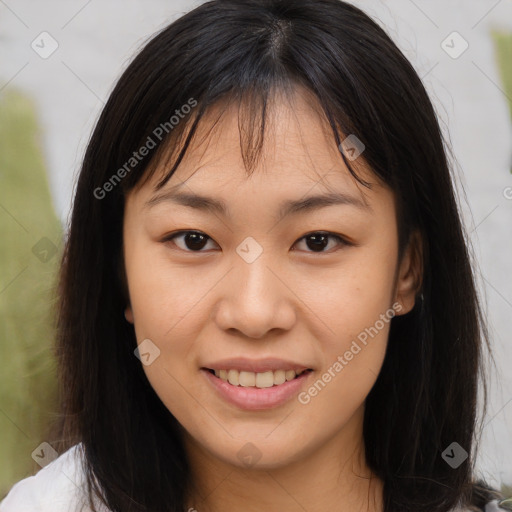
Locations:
{"points": [[410, 272], [128, 314]]}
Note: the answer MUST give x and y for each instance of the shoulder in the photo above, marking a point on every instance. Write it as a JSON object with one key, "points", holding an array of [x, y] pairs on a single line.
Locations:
{"points": [[498, 506], [58, 487], [491, 506]]}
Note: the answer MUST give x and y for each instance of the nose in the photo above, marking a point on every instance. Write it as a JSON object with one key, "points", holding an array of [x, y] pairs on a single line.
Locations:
{"points": [[254, 300]]}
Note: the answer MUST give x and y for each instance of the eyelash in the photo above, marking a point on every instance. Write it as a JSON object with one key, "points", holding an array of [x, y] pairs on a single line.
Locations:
{"points": [[341, 240]]}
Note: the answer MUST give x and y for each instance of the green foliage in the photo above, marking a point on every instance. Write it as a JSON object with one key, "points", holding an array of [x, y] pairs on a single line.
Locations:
{"points": [[503, 45], [27, 295]]}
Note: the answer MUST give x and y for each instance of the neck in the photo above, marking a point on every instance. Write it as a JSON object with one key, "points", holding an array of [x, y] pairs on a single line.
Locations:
{"points": [[333, 477]]}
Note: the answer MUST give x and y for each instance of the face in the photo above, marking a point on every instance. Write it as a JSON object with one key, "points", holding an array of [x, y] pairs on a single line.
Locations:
{"points": [[251, 289]]}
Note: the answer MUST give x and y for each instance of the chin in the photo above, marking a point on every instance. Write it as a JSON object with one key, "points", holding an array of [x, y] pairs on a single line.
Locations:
{"points": [[254, 453]]}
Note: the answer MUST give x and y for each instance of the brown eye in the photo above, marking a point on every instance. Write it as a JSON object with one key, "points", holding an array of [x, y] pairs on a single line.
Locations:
{"points": [[192, 241], [196, 241], [319, 240]]}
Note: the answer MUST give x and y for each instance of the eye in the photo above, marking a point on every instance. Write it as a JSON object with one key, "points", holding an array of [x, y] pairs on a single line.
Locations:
{"points": [[318, 240], [195, 241]]}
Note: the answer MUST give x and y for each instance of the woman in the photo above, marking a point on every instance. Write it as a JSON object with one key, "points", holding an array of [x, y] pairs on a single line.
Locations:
{"points": [[266, 298]]}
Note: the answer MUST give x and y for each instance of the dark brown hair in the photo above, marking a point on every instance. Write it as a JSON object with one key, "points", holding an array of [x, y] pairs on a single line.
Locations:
{"points": [[242, 51]]}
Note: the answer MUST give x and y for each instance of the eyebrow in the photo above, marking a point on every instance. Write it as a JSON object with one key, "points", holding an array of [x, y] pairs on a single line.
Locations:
{"points": [[288, 207]]}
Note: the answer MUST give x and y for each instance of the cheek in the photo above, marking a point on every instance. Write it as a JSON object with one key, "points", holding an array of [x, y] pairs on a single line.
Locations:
{"points": [[353, 295], [162, 313], [353, 345], [161, 294], [353, 304]]}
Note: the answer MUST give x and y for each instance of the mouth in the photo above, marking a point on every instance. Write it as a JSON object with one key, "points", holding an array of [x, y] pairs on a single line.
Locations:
{"points": [[259, 380], [253, 391]]}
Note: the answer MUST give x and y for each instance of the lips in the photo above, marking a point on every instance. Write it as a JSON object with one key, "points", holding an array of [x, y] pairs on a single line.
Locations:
{"points": [[253, 398], [256, 384]]}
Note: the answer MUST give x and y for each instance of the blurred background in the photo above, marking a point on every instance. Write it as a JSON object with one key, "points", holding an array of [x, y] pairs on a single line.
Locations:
{"points": [[59, 61]]}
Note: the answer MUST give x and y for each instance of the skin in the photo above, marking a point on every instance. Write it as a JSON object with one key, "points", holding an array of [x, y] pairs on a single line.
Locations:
{"points": [[292, 301]]}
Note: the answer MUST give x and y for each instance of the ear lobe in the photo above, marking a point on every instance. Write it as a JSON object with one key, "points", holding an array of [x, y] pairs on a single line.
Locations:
{"points": [[128, 314], [410, 273]]}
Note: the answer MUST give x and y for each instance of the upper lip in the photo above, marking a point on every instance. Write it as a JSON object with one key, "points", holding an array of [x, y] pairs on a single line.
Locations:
{"points": [[256, 365]]}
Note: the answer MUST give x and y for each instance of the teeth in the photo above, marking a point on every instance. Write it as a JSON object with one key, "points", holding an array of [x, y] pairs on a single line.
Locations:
{"points": [[279, 377], [290, 374], [259, 380], [233, 377], [265, 380]]}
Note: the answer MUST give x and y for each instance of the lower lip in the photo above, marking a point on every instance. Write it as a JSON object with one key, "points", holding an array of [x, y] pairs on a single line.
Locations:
{"points": [[256, 399]]}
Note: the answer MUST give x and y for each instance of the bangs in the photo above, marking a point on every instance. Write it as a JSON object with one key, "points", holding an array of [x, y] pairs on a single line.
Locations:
{"points": [[254, 107]]}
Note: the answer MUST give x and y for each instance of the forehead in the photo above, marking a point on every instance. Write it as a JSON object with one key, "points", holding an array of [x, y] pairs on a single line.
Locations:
{"points": [[298, 152]]}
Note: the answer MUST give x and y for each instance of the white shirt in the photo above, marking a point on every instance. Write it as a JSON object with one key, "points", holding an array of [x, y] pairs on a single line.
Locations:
{"points": [[60, 487]]}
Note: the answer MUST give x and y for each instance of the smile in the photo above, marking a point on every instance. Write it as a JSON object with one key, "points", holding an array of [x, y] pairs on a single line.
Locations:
{"points": [[254, 379], [256, 391]]}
